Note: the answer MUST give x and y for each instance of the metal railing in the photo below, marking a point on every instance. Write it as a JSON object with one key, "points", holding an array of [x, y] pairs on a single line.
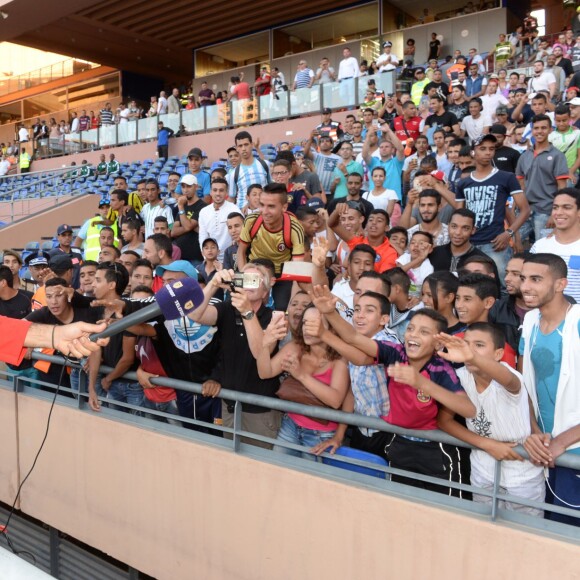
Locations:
{"points": [[49, 186], [150, 418], [45, 74], [276, 106]]}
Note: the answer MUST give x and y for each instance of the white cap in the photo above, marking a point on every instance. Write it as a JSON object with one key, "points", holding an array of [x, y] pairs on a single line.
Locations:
{"points": [[188, 179], [575, 101]]}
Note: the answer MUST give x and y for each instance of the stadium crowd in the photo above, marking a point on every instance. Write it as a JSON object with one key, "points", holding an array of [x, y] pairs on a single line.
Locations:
{"points": [[420, 263]]}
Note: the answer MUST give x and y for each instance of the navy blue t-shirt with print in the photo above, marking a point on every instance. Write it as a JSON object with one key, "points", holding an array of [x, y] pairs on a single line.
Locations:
{"points": [[487, 198]]}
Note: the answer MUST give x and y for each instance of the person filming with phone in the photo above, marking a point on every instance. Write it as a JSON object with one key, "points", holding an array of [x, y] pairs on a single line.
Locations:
{"points": [[240, 323]]}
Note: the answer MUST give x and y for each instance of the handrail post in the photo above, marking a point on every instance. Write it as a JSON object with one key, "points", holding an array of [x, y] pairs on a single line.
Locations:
{"points": [[496, 483], [237, 426]]}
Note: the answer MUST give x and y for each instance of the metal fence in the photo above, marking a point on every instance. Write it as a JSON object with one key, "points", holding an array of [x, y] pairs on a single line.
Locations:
{"points": [[237, 438]]}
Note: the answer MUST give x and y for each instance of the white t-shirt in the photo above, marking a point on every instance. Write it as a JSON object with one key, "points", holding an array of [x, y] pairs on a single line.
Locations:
{"points": [[491, 103], [417, 275], [541, 83], [124, 115], [474, 127], [385, 65], [381, 201], [214, 224], [570, 253], [502, 416], [150, 212], [23, 134], [348, 68], [162, 106], [478, 60], [343, 291], [4, 167]]}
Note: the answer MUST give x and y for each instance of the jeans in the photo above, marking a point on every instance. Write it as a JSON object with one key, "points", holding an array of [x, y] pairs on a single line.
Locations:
{"points": [[500, 258], [290, 432], [539, 221], [30, 373], [169, 407], [126, 392], [75, 379]]}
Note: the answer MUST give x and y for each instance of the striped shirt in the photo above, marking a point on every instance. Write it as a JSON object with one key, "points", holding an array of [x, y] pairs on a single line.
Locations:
{"points": [[106, 117], [302, 78], [570, 253], [150, 212], [325, 165], [247, 175]]}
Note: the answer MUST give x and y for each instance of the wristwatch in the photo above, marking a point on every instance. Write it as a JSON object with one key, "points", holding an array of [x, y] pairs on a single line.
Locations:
{"points": [[181, 212], [248, 315], [510, 233]]}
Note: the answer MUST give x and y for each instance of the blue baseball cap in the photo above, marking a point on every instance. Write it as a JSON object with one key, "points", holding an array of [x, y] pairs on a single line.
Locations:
{"points": [[178, 266]]}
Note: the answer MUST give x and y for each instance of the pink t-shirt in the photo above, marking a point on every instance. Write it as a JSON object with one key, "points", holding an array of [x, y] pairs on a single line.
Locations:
{"points": [[307, 422], [241, 90]]}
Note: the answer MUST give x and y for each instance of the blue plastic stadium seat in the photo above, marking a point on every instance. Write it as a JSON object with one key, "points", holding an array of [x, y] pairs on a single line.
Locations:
{"points": [[163, 179], [180, 169], [47, 245], [32, 246], [360, 455]]}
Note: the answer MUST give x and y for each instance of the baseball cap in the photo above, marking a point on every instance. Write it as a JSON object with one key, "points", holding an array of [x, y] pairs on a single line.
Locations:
{"points": [[60, 263], [479, 140], [520, 91], [438, 175], [210, 240], [195, 152], [326, 111], [315, 203], [575, 101], [188, 179], [497, 129], [387, 43], [63, 228], [177, 266], [501, 110], [351, 204], [419, 69], [37, 259], [104, 202]]}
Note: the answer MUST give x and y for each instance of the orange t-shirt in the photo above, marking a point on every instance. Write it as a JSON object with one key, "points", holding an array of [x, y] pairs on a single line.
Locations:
{"points": [[386, 254]]}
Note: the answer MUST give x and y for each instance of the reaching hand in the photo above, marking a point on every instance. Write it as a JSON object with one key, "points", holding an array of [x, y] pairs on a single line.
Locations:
{"points": [[240, 301], [323, 299], [502, 451], [538, 448], [143, 378], [211, 389], [291, 364], [328, 446], [458, 351], [313, 327]]}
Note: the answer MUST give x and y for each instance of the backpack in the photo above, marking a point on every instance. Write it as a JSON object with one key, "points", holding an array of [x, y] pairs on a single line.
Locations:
{"points": [[286, 229], [237, 174]]}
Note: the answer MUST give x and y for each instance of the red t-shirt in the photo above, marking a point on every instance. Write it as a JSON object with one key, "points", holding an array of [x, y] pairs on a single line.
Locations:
{"points": [[150, 363], [412, 126], [12, 335], [242, 91], [386, 254]]}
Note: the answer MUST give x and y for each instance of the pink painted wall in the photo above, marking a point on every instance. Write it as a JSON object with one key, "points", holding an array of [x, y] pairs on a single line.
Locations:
{"points": [[177, 510]]}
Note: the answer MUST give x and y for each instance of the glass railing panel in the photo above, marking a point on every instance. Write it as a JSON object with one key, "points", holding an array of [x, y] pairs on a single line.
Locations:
{"points": [[304, 101], [193, 120], [273, 106]]}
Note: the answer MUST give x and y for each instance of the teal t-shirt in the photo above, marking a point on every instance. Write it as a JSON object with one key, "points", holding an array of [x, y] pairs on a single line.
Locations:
{"points": [[546, 356], [341, 189]]}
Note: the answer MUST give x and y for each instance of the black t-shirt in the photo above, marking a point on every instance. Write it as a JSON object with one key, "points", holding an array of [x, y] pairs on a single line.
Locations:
{"points": [[44, 316], [188, 243], [433, 49], [566, 65], [443, 87], [442, 259], [231, 258], [238, 370], [17, 307], [447, 119], [527, 114], [460, 110], [187, 350], [506, 159]]}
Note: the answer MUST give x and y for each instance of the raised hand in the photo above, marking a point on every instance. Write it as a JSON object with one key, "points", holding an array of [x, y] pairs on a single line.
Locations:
{"points": [[319, 251], [323, 299], [405, 374], [458, 351]]}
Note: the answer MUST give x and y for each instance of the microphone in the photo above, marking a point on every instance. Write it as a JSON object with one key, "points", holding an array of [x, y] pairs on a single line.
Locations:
{"points": [[174, 300]]}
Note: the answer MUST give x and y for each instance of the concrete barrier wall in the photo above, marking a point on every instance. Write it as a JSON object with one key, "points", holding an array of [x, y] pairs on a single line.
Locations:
{"points": [[176, 510]]}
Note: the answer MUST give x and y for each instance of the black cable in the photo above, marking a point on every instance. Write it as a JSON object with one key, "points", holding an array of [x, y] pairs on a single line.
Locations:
{"points": [[4, 530]]}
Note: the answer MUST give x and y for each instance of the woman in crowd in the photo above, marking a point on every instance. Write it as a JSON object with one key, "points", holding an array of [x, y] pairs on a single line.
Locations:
{"points": [[319, 369], [438, 292]]}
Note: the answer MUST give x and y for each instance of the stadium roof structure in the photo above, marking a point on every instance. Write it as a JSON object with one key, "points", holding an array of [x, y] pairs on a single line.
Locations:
{"points": [[153, 37]]}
